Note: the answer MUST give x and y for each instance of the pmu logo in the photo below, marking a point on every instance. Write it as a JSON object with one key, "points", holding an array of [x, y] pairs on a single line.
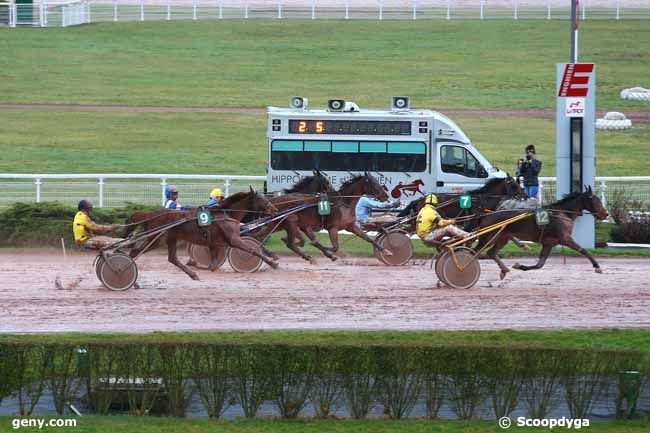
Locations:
{"points": [[575, 81]]}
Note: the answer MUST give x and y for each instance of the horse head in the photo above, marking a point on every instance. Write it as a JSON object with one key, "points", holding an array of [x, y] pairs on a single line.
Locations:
{"points": [[513, 189], [592, 203], [372, 187], [311, 184], [259, 203]]}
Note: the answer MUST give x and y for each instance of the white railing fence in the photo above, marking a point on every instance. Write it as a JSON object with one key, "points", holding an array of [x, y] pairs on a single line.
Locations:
{"points": [[114, 190], [52, 14]]}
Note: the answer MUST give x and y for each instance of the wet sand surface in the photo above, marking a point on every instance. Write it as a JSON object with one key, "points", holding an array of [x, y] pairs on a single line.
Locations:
{"points": [[347, 294]]}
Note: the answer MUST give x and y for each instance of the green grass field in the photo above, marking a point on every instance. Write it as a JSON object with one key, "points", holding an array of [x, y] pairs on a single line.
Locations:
{"points": [[37, 141], [443, 65], [97, 424], [453, 64], [628, 339]]}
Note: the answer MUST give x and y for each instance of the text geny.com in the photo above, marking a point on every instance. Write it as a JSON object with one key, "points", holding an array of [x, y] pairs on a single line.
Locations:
{"points": [[17, 423]]}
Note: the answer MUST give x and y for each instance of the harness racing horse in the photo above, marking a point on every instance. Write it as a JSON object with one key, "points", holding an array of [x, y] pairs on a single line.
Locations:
{"points": [[342, 214], [484, 199], [302, 193], [563, 214], [224, 230]]}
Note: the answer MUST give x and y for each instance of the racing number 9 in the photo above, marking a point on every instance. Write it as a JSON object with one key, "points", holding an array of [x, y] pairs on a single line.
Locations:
{"points": [[204, 217]]}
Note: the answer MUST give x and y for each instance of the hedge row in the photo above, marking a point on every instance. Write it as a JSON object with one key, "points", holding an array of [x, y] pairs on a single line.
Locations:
{"points": [[327, 377], [44, 224]]}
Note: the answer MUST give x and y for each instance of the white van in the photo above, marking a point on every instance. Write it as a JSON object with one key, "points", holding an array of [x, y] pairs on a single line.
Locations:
{"points": [[410, 152]]}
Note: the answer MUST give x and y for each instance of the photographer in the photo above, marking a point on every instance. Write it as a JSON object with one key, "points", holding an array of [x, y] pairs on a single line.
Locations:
{"points": [[528, 168]]}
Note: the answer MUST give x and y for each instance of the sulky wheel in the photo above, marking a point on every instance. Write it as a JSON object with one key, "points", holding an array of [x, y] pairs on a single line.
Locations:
{"points": [[241, 261], [462, 273], [118, 272], [397, 242], [440, 261], [201, 255], [98, 267]]}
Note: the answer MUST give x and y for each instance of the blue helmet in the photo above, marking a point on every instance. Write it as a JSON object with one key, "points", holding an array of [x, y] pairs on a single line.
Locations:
{"points": [[169, 189]]}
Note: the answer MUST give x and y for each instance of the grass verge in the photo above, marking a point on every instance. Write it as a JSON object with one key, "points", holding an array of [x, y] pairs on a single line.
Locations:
{"points": [[106, 424], [628, 339]]}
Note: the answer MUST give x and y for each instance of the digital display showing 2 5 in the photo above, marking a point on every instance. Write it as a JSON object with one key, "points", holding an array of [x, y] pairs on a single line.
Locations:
{"points": [[349, 127]]}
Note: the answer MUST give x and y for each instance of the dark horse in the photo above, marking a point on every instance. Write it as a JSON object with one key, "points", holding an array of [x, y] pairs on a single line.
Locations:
{"points": [[303, 192], [563, 214], [484, 200], [224, 230], [342, 215]]}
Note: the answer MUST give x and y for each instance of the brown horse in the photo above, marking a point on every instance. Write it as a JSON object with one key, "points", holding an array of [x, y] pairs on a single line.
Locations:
{"points": [[342, 215], [224, 230], [484, 199], [302, 193], [563, 214]]}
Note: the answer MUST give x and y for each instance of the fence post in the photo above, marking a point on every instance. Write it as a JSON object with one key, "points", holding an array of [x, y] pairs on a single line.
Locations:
{"points": [[448, 9], [63, 8], [347, 9], [88, 13], [101, 191], [194, 10], [279, 10], [482, 6], [603, 193], [516, 9], [415, 9], [313, 9], [40, 14], [169, 10], [618, 9], [163, 184], [246, 11], [141, 10], [226, 186], [548, 9], [38, 184], [381, 10], [45, 14], [583, 8], [115, 11], [220, 9], [540, 193]]}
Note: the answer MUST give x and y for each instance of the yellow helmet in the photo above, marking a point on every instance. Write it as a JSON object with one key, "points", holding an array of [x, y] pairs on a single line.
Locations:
{"points": [[431, 199], [216, 193]]}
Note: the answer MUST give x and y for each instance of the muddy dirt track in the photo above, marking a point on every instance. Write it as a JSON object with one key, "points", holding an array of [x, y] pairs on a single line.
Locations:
{"points": [[351, 293]]}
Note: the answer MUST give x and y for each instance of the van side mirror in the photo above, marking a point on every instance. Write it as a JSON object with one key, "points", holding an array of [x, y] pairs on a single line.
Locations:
{"points": [[481, 172]]}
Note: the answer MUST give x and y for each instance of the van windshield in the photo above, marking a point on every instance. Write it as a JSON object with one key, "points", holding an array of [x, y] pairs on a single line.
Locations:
{"points": [[458, 160]]}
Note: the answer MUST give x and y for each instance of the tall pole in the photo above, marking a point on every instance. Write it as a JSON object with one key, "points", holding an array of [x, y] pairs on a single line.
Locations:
{"points": [[574, 32]]}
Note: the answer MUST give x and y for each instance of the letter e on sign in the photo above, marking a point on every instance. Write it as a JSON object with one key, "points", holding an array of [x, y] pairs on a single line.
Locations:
{"points": [[575, 80]]}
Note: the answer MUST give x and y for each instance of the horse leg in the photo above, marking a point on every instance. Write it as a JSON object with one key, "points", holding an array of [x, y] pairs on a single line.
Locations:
{"points": [[543, 255], [570, 243], [269, 253], [236, 242], [314, 241], [289, 241], [173, 258], [519, 243], [357, 231], [214, 252], [493, 253]]}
